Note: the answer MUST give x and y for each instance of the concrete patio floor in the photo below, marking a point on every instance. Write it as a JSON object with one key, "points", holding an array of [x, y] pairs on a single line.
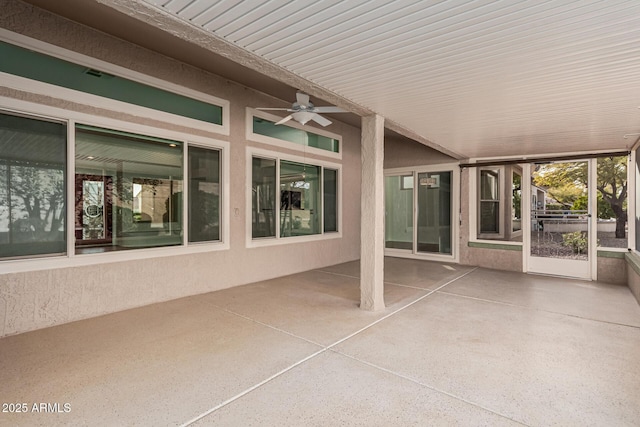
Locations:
{"points": [[456, 345]]}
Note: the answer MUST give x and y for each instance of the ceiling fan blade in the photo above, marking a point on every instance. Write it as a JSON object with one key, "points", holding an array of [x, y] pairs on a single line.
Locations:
{"points": [[329, 110], [321, 120], [273, 109], [302, 99], [286, 119]]}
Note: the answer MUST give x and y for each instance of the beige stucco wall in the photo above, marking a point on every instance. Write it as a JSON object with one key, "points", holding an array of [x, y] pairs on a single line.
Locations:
{"points": [[36, 299], [400, 154]]}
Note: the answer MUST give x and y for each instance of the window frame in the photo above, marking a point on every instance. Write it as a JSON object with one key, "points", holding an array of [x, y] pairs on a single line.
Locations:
{"points": [[518, 232], [251, 242], [71, 259], [414, 171], [500, 201]]}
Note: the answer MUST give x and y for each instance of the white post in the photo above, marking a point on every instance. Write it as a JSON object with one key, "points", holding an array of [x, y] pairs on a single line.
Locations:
{"points": [[372, 214]]}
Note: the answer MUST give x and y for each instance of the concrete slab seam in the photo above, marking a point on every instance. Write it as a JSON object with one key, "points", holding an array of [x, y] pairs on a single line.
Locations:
{"points": [[413, 380], [267, 325], [338, 274], [399, 309], [254, 387], [537, 309], [407, 286], [300, 362]]}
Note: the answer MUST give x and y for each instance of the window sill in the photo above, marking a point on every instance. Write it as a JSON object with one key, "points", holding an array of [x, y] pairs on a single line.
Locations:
{"points": [[67, 261], [273, 241]]}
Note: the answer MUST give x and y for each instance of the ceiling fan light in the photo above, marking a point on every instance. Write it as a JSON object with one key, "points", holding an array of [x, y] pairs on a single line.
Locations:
{"points": [[302, 117]]}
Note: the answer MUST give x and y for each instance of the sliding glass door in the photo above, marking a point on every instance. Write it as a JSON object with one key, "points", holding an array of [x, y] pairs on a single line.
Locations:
{"points": [[419, 212], [398, 230], [434, 212]]}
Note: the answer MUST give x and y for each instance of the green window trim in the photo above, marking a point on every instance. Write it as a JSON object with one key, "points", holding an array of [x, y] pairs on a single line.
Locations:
{"points": [[48, 69], [499, 246], [268, 128]]}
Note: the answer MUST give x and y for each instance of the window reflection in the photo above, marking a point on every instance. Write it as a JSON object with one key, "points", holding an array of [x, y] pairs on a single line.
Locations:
{"points": [[299, 199], [128, 191], [32, 186]]}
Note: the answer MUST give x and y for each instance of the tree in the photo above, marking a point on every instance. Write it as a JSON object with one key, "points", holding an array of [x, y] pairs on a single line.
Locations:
{"points": [[37, 201], [612, 184], [567, 183]]}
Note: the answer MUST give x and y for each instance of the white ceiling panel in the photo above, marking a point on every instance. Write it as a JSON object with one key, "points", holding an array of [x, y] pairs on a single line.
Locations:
{"points": [[481, 78]]}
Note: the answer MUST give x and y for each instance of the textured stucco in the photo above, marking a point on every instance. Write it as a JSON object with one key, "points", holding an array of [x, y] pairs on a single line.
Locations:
{"points": [[32, 300], [372, 226], [398, 154]]}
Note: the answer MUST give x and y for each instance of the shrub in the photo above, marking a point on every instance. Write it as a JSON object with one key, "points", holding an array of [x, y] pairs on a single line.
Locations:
{"points": [[576, 240]]}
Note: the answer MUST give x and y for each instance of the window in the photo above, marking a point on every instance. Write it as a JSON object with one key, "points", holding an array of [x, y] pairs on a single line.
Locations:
{"points": [[283, 132], [489, 217], [516, 202], [263, 197], [299, 199], [308, 198], [128, 190], [499, 215], [204, 194], [330, 188], [32, 187]]}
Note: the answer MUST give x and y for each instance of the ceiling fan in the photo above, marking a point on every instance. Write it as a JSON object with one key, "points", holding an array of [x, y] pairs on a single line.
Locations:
{"points": [[303, 110]]}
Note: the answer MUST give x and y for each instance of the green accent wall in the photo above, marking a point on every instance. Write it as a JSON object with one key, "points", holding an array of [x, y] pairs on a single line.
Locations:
{"points": [[483, 245], [37, 66]]}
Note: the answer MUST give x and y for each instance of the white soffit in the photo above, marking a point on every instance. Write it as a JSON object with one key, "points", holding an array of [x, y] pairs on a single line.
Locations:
{"points": [[481, 78]]}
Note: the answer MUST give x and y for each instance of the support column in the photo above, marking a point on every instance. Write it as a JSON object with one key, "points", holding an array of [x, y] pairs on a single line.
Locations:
{"points": [[372, 214]]}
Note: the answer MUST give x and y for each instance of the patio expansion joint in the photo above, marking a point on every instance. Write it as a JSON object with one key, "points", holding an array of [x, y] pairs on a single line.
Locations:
{"points": [[313, 355], [275, 328], [338, 274], [537, 309], [430, 387]]}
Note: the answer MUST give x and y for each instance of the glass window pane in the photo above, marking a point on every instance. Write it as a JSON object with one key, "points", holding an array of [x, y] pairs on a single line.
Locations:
{"points": [[489, 184], [398, 212], [516, 205], [489, 217], [299, 199], [330, 200], [612, 201], [128, 191], [263, 196], [32, 186], [295, 135], [434, 212], [204, 194]]}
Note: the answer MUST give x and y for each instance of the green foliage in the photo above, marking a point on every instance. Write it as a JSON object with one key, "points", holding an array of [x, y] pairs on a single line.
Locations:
{"points": [[554, 207], [567, 183], [577, 240], [604, 208]]}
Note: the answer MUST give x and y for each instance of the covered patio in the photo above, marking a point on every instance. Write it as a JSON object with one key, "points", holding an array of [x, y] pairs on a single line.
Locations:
{"points": [[455, 345]]}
